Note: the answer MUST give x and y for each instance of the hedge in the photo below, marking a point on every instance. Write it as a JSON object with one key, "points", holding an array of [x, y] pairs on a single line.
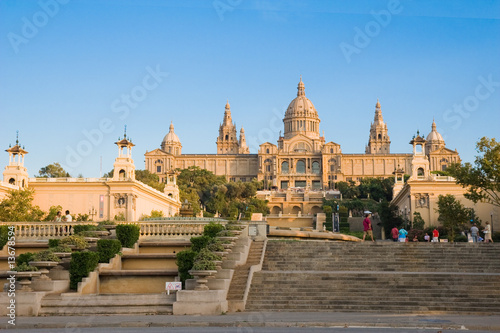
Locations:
{"points": [[53, 243], [184, 261], [107, 249], [82, 263], [4, 235], [128, 234], [200, 242], [212, 229], [24, 258]]}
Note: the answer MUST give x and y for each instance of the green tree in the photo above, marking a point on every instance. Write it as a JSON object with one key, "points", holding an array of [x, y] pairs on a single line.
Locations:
{"points": [[53, 212], [389, 217], [17, 206], [482, 180], [53, 170], [150, 179], [418, 221], [452, 214]]}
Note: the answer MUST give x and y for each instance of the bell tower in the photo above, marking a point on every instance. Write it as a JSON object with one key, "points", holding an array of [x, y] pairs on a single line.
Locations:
{"points": [[124, 168], [379, 142], [171, 188], [227, 141], [419, 162], [15, 172]]}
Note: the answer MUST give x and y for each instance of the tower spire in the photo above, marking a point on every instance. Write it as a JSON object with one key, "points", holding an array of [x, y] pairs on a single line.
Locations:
{"points": [[301, 88]]}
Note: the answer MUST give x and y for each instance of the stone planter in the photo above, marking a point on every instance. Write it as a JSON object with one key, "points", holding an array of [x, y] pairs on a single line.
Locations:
{"points": [[43, 267], [202, 278], [218, 264], [63, 255], [25, 279], [109, 226]]}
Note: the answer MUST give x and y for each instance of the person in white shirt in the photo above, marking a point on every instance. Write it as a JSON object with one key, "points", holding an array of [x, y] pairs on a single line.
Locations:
{"points": [[68, 217]]}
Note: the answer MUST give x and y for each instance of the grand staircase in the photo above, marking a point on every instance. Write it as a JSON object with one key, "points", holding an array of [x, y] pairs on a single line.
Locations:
{"points": [[378, 277]]}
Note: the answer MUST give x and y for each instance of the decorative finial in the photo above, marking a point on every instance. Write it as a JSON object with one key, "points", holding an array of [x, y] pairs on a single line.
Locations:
{"points": [[17, 137], [418, 133], [125, 132]]}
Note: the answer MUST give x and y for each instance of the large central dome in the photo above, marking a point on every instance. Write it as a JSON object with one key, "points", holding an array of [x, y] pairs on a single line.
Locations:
{"points": [[301, 105], [301, 116]]}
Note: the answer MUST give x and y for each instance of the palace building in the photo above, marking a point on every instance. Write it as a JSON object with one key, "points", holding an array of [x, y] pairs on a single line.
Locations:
{"points": [[301, 158]]}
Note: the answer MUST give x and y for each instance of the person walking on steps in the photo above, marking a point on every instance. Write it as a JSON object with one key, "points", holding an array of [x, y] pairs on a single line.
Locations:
{"points": [[367, 226], [487, 233], [474, 232]]}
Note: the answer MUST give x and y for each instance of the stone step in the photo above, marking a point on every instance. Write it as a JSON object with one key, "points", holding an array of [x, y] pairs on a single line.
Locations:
{"points": [[107, 304]]}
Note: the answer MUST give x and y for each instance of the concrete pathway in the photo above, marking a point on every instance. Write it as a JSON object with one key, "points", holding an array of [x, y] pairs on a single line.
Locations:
{"points": [[267, 319]]}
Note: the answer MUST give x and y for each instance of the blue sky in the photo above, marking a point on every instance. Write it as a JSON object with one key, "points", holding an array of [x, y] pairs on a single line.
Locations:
{"points": [[74, 73]]}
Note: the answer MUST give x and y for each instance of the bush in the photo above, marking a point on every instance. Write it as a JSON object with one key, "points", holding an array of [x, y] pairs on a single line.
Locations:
{"points": [[128, 234], [77, 229], [107, 249], [24, 267], [61, 248], [225, 233], [206, 254], [204, 265], [78, 241], [53, 243], [82, 263], [216, 246], [185, 260], [46, 255], [198, 243], [420, 234], [460, 238], [4, 235], [212, 229], [24, 258]]}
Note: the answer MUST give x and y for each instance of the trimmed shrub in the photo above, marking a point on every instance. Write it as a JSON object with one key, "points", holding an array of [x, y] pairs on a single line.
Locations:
{"points": [[61, 248], [184, 260], [78, 241], [46, 255], [53, 243], [212, 229], [24, 258], [460, 238], [82, 263], [4, 235], [107, 249], [128, 234], [198, 243], [82, 227]]}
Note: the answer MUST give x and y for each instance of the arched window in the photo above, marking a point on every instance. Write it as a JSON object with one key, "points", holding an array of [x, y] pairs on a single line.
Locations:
{"points": [[301, 167], [420, 172], [380, 136], [227, 137], [12, 181], [121, 174], [267, 151], [284, 167], [315, 167], [331, 150]]}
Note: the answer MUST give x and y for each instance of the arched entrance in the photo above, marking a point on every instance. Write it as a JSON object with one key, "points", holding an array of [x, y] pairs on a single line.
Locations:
{"points": [[315, 210], [296, 210], [275, 210]]}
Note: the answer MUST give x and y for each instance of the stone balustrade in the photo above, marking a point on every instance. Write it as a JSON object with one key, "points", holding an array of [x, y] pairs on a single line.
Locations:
{"points": [[149, 229]]}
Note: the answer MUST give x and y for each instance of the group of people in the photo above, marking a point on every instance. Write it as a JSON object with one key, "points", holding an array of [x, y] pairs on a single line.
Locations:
{"points": [[401, 234], [474, 233], [60, 218]]}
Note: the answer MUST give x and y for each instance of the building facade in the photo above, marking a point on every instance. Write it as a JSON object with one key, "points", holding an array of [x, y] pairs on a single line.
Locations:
{"points": [[102, 198], [301, 158]]}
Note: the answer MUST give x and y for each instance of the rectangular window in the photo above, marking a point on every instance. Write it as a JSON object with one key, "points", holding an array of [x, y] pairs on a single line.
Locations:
{"points": [[284, 185], [300, 183], [158, 168], [316, 184]]}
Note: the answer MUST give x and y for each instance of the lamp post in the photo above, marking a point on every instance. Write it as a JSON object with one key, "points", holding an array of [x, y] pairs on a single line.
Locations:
{"points": [[92, 212]]}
